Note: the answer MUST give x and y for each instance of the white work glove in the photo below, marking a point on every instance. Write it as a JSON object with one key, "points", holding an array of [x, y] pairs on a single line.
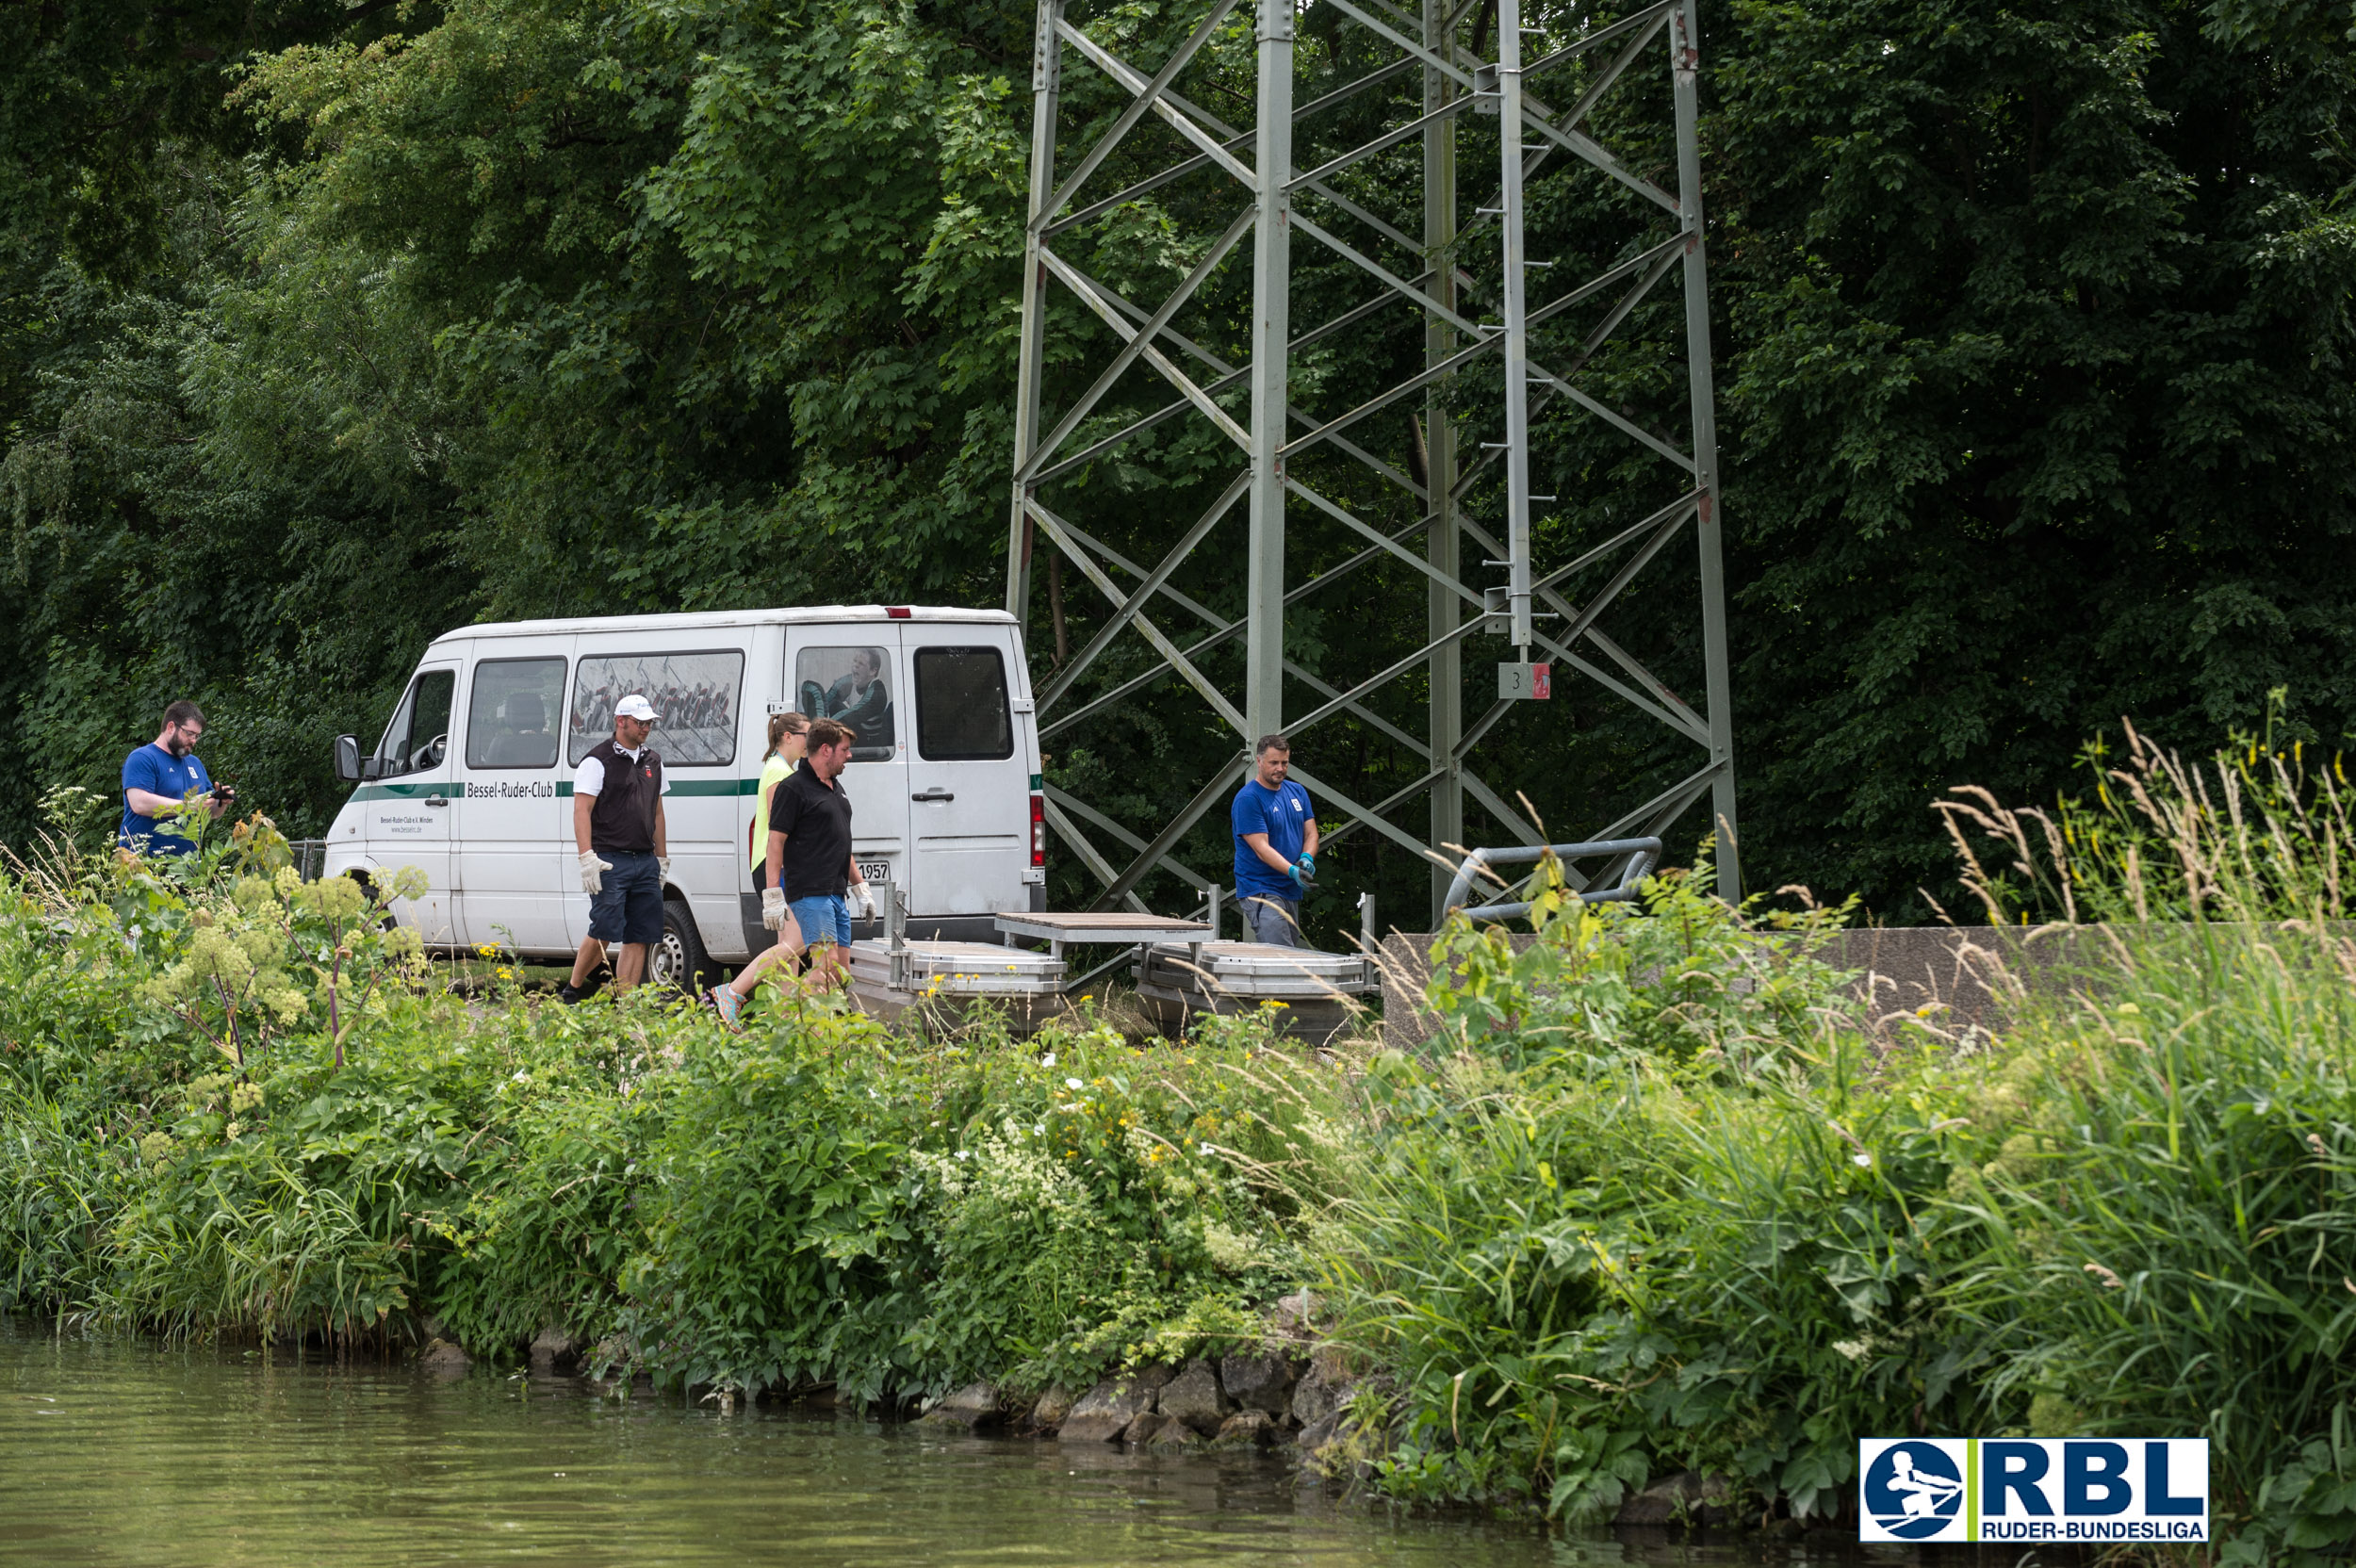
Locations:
{"points": [[663, 864], [862, 900], [773, 908], [593, 874]]}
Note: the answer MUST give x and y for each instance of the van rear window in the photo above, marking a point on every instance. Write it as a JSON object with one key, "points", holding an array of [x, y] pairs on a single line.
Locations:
{"points": [[961, 709], [694, 697]]}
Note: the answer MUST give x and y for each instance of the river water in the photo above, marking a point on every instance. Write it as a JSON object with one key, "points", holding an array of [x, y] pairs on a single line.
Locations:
{"points": [[131, 1453]]}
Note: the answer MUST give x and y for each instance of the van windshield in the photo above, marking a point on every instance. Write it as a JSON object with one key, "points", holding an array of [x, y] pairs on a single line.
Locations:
{"points": [[419, 733]]}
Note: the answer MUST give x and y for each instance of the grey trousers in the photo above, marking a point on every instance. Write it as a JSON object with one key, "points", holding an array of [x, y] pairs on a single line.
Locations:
{"points": [[1273, 921]]}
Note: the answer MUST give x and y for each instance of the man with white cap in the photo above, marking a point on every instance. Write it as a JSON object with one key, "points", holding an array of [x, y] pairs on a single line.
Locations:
{"points": [[625, 857]]}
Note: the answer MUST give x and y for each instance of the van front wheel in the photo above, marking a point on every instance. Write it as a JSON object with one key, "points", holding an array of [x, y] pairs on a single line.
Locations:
{"points": [[679, 961]]}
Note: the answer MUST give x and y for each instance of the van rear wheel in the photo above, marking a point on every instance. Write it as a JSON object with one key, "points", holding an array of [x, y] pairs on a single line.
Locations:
{"points": [[679, 961]]}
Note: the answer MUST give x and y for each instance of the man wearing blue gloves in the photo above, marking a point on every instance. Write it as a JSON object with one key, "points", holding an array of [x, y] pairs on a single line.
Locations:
{"points": [[160, 780], [1276, 845]]}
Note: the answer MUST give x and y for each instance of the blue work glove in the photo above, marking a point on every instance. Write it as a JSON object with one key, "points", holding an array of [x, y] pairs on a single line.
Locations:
{"points": [[1303, 873]]}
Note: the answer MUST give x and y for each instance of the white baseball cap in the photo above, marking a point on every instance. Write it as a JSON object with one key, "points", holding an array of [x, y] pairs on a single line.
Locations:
{"points": [[635, 707]]}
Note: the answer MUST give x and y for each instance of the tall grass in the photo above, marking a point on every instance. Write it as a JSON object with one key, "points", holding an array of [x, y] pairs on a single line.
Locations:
{"points": [[1663, 1201], [2252, 834], [2170, 1229], [56, 1191], [1674, 1220]]}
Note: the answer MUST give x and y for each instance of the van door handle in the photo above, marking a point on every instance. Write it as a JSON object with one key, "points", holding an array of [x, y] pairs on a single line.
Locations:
{"points": [[934, 793], [437, 800]]}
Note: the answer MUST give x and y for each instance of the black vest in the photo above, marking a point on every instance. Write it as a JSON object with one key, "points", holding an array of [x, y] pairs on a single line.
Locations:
{"points": [[622, 818]]}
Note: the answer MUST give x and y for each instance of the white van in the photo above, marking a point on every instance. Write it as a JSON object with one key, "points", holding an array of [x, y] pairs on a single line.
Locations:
{"points": [[472, 781]]}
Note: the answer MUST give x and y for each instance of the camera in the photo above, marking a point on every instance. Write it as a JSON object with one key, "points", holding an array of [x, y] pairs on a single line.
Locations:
{"points": [[225, 793]]}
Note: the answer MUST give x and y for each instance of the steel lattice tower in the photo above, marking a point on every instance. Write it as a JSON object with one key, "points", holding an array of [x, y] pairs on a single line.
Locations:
{"points": [[1461, 93]]}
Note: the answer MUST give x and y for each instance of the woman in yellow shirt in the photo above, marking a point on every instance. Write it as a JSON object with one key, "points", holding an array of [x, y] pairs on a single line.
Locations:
{"points": [[788, 741]]}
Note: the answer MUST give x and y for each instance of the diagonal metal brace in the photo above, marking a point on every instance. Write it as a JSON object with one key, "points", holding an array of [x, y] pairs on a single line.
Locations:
{"points": [[1148, 96]]}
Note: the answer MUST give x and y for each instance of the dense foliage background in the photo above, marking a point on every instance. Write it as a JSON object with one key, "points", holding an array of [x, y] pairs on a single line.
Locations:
{"points": [[328, 327]]}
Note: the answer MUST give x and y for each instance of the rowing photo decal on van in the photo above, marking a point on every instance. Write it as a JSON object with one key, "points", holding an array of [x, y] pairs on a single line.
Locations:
{"points": [[694, 697], [853, 687]]}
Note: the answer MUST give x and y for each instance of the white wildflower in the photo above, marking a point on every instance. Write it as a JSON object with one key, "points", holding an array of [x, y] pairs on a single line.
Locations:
{"points": [[1231, 1251]]}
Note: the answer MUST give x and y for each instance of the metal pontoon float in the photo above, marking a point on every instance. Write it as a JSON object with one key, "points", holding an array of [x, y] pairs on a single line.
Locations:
{"points": [[1314, 989], [1176, 981], [890, 976], [1180, 968]]}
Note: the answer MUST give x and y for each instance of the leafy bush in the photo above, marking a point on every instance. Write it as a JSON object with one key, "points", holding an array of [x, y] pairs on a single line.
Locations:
{"points": [[1645, 1214], [232, 1101], [833, 1203]]}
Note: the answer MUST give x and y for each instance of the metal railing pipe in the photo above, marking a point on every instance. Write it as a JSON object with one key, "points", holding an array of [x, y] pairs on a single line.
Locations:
{"points": [[1644, 854]]}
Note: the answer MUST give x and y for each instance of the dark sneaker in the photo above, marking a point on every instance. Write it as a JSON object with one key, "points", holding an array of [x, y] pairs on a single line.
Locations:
{"points": [[572, 995]]}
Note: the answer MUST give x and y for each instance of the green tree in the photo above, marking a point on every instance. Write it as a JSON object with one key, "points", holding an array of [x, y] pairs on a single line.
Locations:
{"points": [[2040, 383]]}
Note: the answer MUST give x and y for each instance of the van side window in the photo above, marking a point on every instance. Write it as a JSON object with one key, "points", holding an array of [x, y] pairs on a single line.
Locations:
{"points": [[511, 718], [694, 697], [853, 687], [419, 733], [961, 709]]}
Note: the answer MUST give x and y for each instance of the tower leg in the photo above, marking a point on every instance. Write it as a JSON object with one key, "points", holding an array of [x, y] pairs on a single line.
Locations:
{"points": [[1271, 335], [1685, 61], [1046, 74], [1443, 544], [1516, 335]]}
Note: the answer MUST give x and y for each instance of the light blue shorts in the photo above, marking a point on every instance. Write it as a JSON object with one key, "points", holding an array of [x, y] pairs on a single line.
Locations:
{"points": [[824, 918]]}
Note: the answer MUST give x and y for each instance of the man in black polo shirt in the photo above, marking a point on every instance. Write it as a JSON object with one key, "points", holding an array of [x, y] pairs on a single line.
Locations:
{"points": [[625, 857], [809, 854]]}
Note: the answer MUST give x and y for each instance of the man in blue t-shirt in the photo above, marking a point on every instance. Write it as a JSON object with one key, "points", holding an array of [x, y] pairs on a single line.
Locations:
{"points": [[1276, 845], [158, 777]]}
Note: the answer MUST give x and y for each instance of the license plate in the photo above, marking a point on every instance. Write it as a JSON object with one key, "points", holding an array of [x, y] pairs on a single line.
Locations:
{"points": [[875, 871]]}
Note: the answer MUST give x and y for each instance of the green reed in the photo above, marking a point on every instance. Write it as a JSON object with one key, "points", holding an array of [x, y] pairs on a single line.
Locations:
{"points": [[1662, 1200], [2168, 1227]]}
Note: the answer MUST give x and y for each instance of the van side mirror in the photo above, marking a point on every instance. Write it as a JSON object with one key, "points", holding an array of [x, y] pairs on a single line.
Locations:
{"points": [[348, 759]]}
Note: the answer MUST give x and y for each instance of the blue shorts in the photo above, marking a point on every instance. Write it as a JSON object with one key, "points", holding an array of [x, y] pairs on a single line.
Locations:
{"points": [[824, 918], [629, 909]]}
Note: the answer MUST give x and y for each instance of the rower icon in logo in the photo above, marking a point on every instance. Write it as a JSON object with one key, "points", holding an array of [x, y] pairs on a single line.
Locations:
{"points": [[1913, 1490]]}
